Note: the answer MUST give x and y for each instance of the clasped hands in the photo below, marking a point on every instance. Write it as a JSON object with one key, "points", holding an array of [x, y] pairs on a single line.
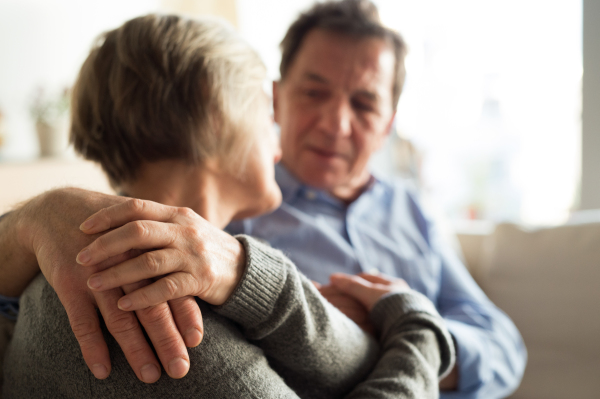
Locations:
{"points": [[161, 257]]}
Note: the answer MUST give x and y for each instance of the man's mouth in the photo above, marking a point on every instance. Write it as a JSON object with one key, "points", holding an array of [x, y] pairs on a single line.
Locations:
{"points": [[325, 153]]}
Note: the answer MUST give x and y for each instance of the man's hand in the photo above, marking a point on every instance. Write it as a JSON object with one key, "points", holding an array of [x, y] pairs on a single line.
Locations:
{"points": [[367, 288], [191, 256], [349, 306], [47, 227]]}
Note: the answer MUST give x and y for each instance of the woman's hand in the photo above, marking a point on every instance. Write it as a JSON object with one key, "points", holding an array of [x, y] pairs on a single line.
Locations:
{"points": [[191, 256], [45, 229], [367, 288]]}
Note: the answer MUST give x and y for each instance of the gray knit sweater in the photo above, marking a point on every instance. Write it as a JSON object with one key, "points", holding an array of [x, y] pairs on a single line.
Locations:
{"points": [[276, 337]]}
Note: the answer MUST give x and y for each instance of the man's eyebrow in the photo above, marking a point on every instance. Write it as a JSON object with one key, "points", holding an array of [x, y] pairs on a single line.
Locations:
{"points": [[368, 94], [314, 77]]}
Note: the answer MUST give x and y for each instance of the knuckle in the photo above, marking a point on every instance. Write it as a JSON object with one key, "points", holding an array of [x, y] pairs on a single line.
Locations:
{"points": [[101, 244], [192, 233], [185, 306], [151, 262], [208, 274], [135, 205], [155, 315], [186, 212], [171, 286], [140, 228], [122, 323], [84, 328]]}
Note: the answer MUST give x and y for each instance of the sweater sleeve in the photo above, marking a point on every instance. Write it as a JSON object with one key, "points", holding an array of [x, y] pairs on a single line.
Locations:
{"points": [[319, 351], [416, 349]]}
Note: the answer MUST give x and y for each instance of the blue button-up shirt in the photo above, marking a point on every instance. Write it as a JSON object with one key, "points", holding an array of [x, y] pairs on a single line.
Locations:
{"points": [[385, 229]]}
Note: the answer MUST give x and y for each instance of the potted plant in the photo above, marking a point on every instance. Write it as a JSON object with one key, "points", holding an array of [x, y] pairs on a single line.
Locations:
{"points": [[50, 116]]}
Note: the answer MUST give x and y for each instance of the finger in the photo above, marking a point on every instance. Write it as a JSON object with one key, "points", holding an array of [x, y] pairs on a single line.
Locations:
{"points": [[356, 287], [318, 285], [375, 278], [163, 333], [148, 265], [125, 329], [188, 319], [173, 286], [355, 313], [329, 290], [141, 234], [128, 211], [86, 327]]}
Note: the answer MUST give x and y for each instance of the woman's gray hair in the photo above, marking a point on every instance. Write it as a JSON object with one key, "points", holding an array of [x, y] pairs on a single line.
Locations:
{"points": [[165, 87]]}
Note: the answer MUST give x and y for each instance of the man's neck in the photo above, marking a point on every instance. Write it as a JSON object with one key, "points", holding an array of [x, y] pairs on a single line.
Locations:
{"points": [[347, 192]]}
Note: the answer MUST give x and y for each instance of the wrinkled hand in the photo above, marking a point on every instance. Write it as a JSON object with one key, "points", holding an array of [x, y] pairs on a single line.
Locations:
{"points": [[191, 256], [50, 222], [367, 288], [348, 305]]}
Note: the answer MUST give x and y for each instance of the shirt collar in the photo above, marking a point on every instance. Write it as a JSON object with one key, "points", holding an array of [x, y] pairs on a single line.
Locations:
{"points": [[288, 184], [292, 188]]}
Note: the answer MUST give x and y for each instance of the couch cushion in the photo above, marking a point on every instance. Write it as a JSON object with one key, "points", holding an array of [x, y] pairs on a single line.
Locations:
{"points": [[548, 281]]}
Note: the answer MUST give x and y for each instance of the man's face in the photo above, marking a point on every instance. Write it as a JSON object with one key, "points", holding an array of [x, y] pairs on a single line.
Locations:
{"points": [[335, 109]]}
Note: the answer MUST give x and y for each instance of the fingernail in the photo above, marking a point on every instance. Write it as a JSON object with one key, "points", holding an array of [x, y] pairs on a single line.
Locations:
{"points": [[95, 282], [87, 225], [83, 257], [99, 371], [192, 337], [178, 368], [150, 373], [124, 304]]}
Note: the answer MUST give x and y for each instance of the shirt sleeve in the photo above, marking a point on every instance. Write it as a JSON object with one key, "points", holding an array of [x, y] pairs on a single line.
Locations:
{"points": [[491, 355], [9, 307]]}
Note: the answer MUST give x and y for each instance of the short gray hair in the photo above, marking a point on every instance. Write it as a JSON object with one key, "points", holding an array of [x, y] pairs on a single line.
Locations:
{"points": [[165, 87]]}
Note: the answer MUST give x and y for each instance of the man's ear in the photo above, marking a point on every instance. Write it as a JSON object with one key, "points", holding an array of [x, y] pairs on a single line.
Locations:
{"points": [[388, 130], [276, 85], [390, 124]]}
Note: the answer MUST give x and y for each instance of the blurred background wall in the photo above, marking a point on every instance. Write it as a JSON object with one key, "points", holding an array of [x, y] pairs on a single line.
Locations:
{"points": [[489, 124]]}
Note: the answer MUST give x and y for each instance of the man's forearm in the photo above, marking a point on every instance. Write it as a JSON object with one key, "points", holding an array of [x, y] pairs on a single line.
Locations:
{"points": [[18, 265]]}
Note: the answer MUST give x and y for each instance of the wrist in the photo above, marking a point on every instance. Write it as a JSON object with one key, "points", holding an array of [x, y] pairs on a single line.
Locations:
{"points": [[238, 267], [232, 272], [18, 264]]}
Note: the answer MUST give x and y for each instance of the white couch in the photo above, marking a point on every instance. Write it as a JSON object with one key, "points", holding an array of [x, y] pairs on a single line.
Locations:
{"points": [[548, 281]]}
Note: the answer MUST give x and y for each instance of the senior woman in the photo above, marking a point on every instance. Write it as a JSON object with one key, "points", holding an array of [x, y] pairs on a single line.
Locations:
{"points": [[174, 112]]}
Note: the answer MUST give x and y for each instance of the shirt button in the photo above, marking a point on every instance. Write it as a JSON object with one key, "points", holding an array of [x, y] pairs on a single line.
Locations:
{"points": [[311, 195], [374, 271]]}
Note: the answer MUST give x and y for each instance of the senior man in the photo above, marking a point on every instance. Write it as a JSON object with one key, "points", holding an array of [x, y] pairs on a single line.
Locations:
{"points": [[341, 77]]}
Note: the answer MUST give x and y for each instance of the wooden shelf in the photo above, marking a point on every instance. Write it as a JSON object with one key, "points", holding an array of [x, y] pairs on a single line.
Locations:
{"points": [[21, 181]]}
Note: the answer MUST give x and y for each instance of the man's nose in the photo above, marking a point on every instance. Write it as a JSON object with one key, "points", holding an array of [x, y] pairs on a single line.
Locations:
{"points": [[336, 117]]}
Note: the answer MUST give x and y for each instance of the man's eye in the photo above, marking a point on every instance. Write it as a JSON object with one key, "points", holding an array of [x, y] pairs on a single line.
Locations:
{"points": [[362, 106], [314, 93]]}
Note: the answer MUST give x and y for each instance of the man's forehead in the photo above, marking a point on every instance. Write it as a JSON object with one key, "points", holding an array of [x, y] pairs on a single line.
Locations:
{"points": [[335, 59]]}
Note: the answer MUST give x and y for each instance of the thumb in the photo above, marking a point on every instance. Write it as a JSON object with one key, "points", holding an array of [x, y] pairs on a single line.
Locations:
{"points": [[357, 288]]}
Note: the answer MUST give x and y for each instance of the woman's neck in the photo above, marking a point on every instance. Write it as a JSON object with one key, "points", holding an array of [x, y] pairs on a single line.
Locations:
{"points": [[176, 183]]}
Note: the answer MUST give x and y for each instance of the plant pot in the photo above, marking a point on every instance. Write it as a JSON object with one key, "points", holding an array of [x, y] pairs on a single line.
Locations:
{"points": [[52, 138]]}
